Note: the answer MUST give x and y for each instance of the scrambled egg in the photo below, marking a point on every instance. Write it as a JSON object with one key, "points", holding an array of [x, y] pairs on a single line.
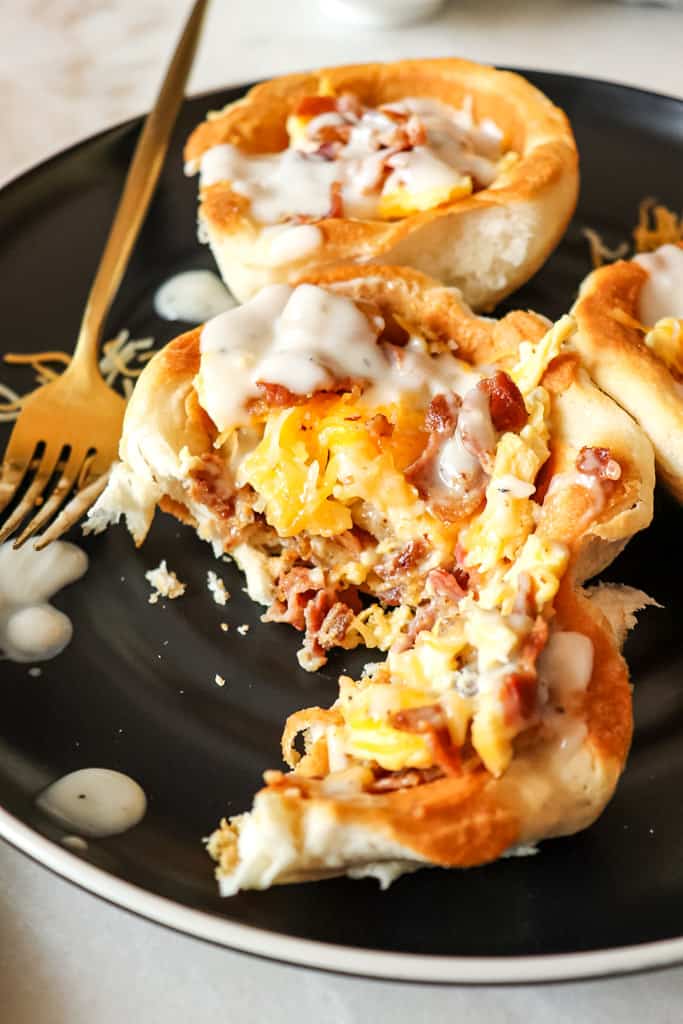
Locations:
{"points": [[481, 642], [317, 462], [665, 339], [402, 202], [317, 459]]}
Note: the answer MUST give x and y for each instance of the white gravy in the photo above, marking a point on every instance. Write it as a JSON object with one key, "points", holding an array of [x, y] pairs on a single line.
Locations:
{"points": [[30, 628], [305, 339], [192, 296], [662, 294], [95, 802], [297, 180], [284, 243]]}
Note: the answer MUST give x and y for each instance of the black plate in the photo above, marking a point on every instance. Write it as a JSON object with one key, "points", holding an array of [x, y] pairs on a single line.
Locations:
{"points": [[135, 689]]}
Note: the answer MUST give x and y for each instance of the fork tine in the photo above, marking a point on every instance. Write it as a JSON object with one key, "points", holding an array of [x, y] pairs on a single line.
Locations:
{"points": [[71, 513], [60, 491], [45, 469], [12, 472]]}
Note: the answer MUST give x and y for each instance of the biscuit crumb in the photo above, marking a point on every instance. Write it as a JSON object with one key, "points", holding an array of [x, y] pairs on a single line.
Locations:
{"points": [[165, 583], [243, 629], [217, 588], [224, 627], [219, 680]]}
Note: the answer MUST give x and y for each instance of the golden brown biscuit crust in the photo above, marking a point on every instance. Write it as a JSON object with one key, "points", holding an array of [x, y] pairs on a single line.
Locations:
{"points": [[545, 178], [623, 366]]}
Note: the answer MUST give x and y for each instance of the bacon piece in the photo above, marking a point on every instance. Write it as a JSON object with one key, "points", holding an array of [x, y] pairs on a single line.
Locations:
{"points": [[349, 105], [476, 428], [380, 166], [534, 644], [397, 116], [431, 721], [508, 411], [277, 396], [327, 622], [312, 106], [402, 562], [446, 584], [519, 697], [424, 618], [333, 133], [448, 588], [295, 589], [442, 414], [379, 427], [406, 778], [212, 487], [440, 421], [335, 625], [305, 601], [519, 694], [598, 462], [336, 200]]}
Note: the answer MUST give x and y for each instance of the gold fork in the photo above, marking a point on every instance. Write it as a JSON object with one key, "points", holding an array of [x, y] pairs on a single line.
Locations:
{"points": [[71, 426]]}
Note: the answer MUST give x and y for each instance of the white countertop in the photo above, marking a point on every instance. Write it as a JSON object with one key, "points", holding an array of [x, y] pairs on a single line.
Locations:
{"points": [[70, 68]]}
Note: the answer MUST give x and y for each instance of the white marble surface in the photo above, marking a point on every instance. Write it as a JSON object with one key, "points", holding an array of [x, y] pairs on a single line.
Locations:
{"points": [[67, 69]]}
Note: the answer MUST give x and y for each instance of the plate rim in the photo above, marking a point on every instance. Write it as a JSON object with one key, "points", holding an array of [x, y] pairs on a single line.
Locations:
{"points": [[331, 957], [316, 954]]}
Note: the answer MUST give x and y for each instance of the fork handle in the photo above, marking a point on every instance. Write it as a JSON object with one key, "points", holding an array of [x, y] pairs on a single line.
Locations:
{"points": [[141, 180]]}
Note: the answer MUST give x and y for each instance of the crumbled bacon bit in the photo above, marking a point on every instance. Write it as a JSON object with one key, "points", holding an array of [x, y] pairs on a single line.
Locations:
{"points": [[294, 589], [210, 487], [331, 133], [406, 778], [312, 106], [598, 462], [335, 625], [379, 427], [440, 420], [431, 721], [446, 585], [349, 104], [336, 200], [327, 622], [520, 689], [519, 696], [276, 396], [534, 644], [508, 411], [406, 559], [398, 116], [424, 618], [306, 602], [442, 414]]}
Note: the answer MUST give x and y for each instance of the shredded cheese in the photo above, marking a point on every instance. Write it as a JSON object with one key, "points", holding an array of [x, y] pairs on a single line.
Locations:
{"points": [[657, 225], [122, 360], [600, 252]]}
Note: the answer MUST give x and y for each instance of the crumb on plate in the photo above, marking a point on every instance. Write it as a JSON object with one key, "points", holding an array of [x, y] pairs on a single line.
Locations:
{"points": [[217, 588], [165, 583]]}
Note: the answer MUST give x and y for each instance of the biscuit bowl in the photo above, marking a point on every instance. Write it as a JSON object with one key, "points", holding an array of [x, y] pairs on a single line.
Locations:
{"points": [[392, 470], [462, 171], [629, 334]]}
